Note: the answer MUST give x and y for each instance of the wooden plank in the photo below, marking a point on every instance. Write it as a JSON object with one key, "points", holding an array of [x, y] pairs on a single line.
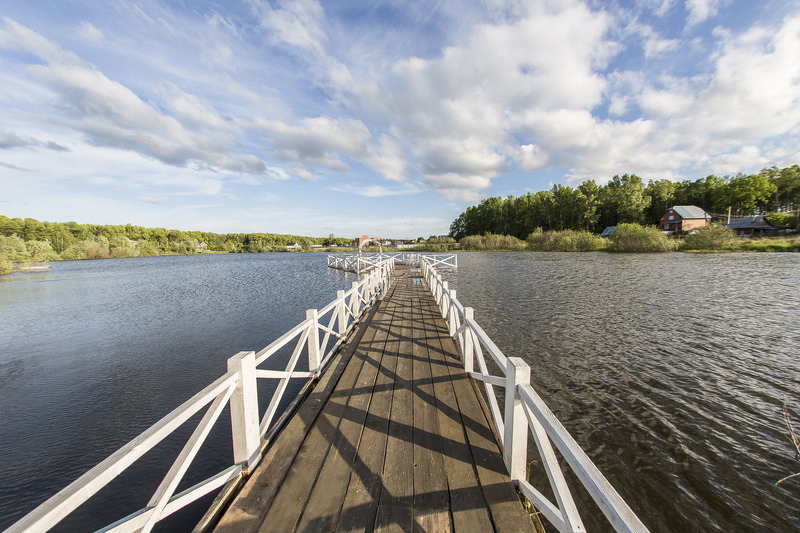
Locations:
{"points": [[323, 507], [395, 508], [366, 481], [504, 504], [290, 501], [468, 507], [246, 513], [431, 497]]}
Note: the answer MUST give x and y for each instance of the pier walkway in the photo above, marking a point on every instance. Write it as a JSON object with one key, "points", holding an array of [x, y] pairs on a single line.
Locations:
{"points": [[389, 431], [393, 437]]}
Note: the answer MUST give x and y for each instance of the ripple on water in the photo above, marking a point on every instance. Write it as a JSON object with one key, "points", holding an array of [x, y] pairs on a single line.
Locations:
{"points": [[669, 369]]}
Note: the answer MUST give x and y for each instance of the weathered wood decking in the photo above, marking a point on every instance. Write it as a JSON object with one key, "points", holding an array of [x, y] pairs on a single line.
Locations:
{"points": [[393, 437]]}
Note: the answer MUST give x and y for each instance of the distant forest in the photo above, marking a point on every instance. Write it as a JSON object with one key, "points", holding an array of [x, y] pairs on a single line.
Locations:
{"points": [[62, 236], [626, 199]]}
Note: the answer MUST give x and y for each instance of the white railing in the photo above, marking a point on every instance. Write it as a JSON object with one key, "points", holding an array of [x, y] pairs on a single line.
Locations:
{"points": [[523, 411], [319, 336], [441, 260], [365, 262]]}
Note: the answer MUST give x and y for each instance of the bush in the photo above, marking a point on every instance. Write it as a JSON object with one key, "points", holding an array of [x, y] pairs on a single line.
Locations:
{"points": [[636, 238], [5, 265], [565, 241], [769, 244], [13, 249], [185, 247], [92, 248], [711, 237], [491, 242], [40, 251], [122, 246], [146, 248]]}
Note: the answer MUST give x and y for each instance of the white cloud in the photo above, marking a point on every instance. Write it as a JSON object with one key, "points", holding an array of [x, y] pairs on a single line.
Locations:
{"points": [[298, 23], [303, 175], [320, 141], [375, 191], [110, 114], [701, 10], [89, 32], [459, 114]]}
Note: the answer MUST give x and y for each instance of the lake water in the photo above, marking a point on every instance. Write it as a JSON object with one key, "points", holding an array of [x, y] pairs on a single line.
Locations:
{"points": [[94, 352], [670, 370]]}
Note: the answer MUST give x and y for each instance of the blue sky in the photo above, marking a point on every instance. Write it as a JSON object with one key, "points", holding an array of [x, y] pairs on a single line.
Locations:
{"points": [[378, 117]]}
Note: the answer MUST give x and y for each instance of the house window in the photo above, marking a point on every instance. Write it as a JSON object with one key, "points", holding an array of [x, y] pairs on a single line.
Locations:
{"points": [[672, 217]]}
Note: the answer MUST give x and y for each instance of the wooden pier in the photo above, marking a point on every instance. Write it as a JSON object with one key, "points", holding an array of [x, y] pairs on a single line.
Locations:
{"points": [[389, 433], [393, 437]]}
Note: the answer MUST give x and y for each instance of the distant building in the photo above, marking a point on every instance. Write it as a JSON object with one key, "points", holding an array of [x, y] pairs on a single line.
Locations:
{"points": [[294, 246], [750, 225], [367, 240], [684, 218], [202, 247]]}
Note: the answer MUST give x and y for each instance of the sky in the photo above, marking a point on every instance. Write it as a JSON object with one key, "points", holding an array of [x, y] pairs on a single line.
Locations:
{"points": [[378, 117]]}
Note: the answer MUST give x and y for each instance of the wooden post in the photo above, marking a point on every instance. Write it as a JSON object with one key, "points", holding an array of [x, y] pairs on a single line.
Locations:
{"points": [[313, 342], [355, 301], [451, 311], [515, 443], [467, 348], [244, 411], [445, 298], [340, 306]]}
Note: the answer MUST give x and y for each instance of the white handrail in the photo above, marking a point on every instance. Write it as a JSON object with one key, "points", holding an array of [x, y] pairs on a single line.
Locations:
{"points": [[236, 389], [526, 411], [366, 262]]}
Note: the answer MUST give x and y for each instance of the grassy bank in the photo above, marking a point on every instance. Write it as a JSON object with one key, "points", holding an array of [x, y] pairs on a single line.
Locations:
{"points": [[634, 238]]}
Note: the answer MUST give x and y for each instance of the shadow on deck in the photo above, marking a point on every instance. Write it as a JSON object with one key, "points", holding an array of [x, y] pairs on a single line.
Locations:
{"points": [[393, 437]]}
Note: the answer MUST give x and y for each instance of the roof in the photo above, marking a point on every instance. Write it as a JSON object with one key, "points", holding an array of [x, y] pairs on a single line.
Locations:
{"points": [[608, 231], [690, 212], [747, 223]]}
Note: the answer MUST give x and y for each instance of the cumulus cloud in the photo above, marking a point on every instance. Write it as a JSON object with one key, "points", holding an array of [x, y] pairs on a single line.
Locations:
{"points": [[461, 113], [303, 175], [320, 141]]}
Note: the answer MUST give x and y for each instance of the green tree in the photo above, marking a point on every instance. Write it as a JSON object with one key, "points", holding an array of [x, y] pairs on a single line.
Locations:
{"points": [[662, 197], [750, 194]]}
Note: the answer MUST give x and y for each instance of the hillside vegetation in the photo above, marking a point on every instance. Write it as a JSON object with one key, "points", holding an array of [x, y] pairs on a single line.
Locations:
{"points": [[30, 240]]}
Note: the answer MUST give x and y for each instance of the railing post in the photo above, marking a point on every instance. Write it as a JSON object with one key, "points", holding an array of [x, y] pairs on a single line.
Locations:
{"points": [[340, 306], [313, 342], [451, 311], [355, 301], [244, 411], [467, 348], [445, 298], [515, 443]]}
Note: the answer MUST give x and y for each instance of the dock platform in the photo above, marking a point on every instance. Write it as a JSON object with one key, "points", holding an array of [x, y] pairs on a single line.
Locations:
{"points": [[392, 438]]}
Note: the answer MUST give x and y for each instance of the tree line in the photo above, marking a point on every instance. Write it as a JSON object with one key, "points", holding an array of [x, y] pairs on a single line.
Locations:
{"points": [[61, 236], [626, 199]]}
